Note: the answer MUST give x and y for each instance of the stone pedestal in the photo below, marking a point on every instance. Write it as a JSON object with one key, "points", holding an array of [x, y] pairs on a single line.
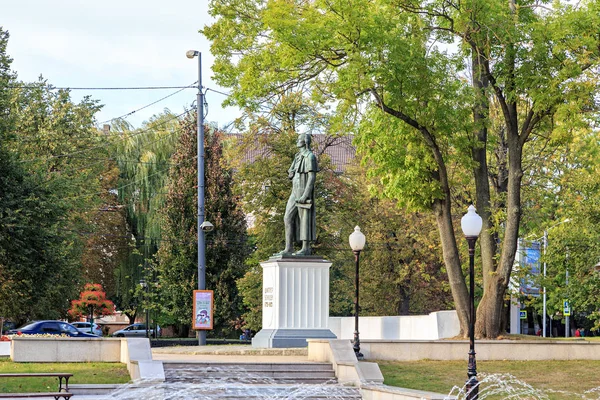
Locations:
{"points": [[295, 302]]}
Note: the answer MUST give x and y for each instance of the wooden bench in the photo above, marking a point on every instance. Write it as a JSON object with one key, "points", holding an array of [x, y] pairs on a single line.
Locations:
{"points": [[61, 392]]}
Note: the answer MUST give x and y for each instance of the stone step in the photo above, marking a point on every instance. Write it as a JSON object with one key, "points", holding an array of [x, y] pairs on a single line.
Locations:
{"points": [[188, 390], [274, 373], [249, 374], [225, 373], [250, 366], [80, 389]]}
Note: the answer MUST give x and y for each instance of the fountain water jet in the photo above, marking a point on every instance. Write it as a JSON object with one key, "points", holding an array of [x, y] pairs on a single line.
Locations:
{"points": [[506, 386], [214, 382]]}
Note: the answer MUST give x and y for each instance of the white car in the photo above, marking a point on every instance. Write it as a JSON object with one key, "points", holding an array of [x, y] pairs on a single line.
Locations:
{"points": [[85, 328], [136, 330]]}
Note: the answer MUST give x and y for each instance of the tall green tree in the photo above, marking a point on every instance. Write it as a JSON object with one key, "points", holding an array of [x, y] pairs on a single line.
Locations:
{"points": [[40, 266], [226, 246], [143, 158], [420, 78], [569, 201], [107, 239], [401, 267]]}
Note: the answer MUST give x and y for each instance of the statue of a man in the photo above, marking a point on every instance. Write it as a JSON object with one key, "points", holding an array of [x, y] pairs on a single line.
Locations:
{"points": [[300, 214]]}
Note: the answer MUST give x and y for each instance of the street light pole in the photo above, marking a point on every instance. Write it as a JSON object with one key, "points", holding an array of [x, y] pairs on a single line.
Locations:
{"points": [[545, 313], [144, 286], [200, 163], [357, 243], [471, 224], [567, 325]]}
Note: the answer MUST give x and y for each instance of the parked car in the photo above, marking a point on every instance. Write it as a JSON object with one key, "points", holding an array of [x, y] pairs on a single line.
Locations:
{"points": [[51, 328], [7, 325], [135, 330], [85, 328]]}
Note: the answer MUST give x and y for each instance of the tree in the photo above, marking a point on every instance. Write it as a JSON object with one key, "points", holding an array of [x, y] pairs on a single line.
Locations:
{"points": [[39, 250], [226, 246], [107, 238], [420, 78], [569, 202], [143, 161], [401, 267], [93, 302]]}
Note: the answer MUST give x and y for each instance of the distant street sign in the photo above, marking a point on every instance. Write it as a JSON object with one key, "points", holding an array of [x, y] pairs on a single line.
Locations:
{"points": [[522, 314], [566, 308]]}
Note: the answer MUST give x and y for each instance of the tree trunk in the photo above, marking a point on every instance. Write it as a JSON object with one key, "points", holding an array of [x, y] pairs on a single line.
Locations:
{"points": [[490, 308], [481, 114], [404, 304], [456, 278]]}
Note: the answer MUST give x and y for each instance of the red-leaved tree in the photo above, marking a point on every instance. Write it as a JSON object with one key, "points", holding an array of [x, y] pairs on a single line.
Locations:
{"points": [[93, 302]]}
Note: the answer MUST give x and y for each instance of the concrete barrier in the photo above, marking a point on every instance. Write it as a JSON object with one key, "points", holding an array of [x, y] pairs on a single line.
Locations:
{"points": [[134, 352], [4, 349], [365, 375], [436, 325], [340, 354], [404, 350], [383, 392], [46, 349]]}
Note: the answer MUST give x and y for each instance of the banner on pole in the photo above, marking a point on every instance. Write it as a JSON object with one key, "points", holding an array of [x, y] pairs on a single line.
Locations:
{"points": [[203, 309]]}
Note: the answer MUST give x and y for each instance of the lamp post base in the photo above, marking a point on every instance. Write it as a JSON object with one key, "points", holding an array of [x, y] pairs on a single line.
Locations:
{"points": [[359, 355], [472, 388]]}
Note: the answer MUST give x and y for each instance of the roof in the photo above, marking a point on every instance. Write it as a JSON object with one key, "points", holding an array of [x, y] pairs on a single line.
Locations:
{"points": [[338, 148]]}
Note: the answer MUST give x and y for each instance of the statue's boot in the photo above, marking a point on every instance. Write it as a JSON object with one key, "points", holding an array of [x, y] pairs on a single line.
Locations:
{"points": [[284, 253], [304, 251], [289, 244]]}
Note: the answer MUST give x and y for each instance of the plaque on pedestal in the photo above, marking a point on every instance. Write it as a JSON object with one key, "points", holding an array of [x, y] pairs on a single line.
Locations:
{"points": [[295, 302]]}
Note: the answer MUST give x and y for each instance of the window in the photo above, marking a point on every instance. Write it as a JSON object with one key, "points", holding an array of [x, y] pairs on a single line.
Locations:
{"points": [[68, 329], [51, 327]]}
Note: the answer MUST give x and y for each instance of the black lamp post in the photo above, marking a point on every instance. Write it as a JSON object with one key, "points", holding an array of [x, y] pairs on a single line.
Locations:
{"points": [[144, 286], [471, 224], [357, 243]]}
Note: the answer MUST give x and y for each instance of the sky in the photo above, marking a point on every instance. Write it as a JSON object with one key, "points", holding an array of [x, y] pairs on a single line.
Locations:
{"points": [[109, 43]]}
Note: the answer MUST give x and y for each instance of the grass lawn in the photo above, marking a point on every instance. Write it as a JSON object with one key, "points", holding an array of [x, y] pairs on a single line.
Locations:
{"points": [[557, 379], [82, 373]]}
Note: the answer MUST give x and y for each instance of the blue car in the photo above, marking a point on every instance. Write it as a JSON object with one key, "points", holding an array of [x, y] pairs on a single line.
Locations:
{"points": [[50, 328]]}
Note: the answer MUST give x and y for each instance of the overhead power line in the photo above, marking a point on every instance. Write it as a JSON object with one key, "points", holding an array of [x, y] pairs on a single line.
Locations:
{"points": [[148, 105], [216, 91], [99, 88]]}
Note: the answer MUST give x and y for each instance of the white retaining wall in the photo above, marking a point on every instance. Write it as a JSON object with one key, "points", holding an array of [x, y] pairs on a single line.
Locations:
{"points": [[45, 349], [437, 325], [399, 350], [4, 349], [135, 352]]}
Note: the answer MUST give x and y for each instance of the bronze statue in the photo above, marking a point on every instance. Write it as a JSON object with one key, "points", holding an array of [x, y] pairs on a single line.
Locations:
{"points": [[300, 213]]}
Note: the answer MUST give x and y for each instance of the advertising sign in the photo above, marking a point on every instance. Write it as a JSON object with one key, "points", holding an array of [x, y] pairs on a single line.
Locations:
{"points": [[203, 309], [528, 258]]}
